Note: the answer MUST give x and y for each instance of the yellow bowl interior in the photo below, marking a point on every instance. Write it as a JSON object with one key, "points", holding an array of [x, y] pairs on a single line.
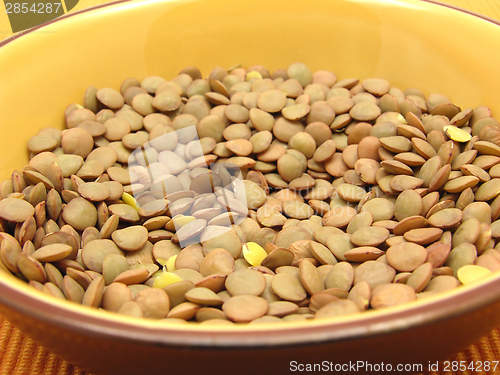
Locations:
{"points": [[409, 42]]}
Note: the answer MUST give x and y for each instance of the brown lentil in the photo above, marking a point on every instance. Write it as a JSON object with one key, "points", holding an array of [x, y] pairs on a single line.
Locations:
{"points": [[248, 199]]}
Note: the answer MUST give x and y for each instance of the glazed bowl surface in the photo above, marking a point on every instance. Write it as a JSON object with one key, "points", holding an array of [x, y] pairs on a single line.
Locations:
{"points": [[411, 43]]}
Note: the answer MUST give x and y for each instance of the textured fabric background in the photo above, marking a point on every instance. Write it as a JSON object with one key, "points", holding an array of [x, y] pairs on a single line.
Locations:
{"points": [[21, 356]]}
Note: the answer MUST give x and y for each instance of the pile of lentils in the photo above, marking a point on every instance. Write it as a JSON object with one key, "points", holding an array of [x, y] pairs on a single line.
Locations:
{"points": [[275, 197]]}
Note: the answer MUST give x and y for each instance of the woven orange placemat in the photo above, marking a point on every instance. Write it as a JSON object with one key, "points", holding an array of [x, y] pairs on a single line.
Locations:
{"points": [[20, 355]]}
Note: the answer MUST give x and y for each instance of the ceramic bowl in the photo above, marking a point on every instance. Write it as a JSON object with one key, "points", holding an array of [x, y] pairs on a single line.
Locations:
{"points": [[411, 43]]}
